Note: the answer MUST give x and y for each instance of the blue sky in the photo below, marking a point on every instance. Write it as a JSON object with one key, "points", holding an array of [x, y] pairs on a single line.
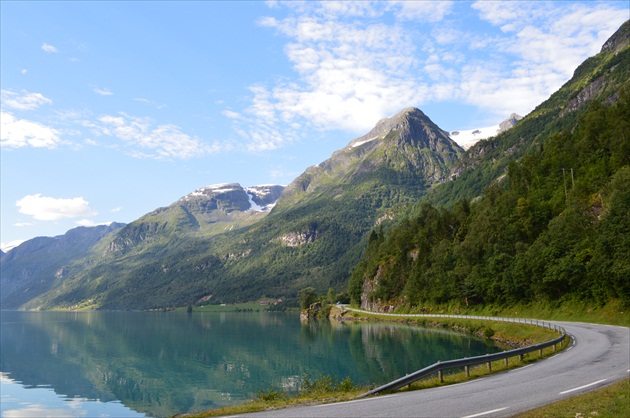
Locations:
{"points": [[111, 109]]}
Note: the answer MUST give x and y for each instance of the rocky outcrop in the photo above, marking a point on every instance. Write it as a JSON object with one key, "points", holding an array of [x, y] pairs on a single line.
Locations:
{"points": [[296, 239], [368, 302], [619, 40], [587, 94], [509, 122]]}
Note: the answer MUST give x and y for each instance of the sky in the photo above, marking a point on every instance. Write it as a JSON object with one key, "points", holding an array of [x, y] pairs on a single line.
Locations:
{"points": [[112, 109]]}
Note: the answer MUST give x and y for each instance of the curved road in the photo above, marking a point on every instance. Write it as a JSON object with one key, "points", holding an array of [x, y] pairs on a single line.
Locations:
{"points": [[600, 355]]}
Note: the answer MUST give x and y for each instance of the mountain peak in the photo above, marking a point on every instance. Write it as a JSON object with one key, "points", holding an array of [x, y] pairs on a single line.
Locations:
{"points": [[410, 125]]}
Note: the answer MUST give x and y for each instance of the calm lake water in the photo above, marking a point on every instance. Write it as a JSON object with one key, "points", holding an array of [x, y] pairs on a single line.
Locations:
{"points": [[130, 364]]}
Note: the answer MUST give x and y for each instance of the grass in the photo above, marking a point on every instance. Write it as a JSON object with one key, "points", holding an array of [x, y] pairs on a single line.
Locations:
{"points": [[235, 307], [314, 391], [611, 401], [613, 313]]}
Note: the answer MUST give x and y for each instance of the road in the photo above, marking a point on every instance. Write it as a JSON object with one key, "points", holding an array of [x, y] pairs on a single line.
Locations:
{"points": [[599, 355]]}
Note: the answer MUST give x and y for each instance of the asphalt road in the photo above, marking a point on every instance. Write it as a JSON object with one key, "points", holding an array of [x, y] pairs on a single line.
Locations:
{"points": [[600, 355]]}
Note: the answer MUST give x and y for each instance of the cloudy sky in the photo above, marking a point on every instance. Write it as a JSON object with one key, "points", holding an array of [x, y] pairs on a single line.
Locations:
{"points": [[112, 109]]}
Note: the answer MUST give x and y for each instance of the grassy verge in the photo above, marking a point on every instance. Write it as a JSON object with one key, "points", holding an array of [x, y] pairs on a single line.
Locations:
{"points": [[318, 391], [611, 401], [613, 313]]}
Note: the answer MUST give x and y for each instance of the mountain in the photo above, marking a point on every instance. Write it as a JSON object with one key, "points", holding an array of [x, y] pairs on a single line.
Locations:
{"points": [[538, 213], [403, 152], [29, 269], [207, 211], [469, 137], [211, 247]]}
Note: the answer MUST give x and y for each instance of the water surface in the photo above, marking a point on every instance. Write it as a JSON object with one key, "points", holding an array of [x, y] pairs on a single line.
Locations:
{"points": [[160, 364]]}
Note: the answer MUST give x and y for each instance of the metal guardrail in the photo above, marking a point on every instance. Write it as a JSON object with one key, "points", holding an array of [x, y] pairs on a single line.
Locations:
{"points": [[439, 367]]}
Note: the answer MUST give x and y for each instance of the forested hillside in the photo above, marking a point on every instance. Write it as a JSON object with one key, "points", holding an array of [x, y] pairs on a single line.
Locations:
{"points": [[556, 226]]}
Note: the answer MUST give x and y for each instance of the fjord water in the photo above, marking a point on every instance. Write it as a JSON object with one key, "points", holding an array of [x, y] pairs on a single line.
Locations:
{"points": [[160, 364]]}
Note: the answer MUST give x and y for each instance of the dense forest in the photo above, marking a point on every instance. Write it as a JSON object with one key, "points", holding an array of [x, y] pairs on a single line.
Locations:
{"points": [[556, 226]]}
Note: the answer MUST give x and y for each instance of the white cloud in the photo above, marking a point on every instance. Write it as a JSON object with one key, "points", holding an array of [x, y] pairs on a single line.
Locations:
{"points": [[19, 133], [49, 48], [230, 114], [6, 246], [431, 11], [148, 141], [103, 92], [24, 101], [350, 72], [45, 208], [150, 102], [90, 223], [542, 46], [116, 209], [351, 69], [23, 224]]}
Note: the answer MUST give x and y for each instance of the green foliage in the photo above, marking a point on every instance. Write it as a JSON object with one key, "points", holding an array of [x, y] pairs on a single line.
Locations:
{"points": [[555, 228], [271, 395], [324, 385], [307, 296]]}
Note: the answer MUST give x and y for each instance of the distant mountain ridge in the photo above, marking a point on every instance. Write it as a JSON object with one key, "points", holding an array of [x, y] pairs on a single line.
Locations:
{"points": [[31, 268]]}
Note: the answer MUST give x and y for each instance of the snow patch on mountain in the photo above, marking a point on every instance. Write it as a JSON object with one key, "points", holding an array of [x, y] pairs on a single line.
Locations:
{"points": [[468, 138], [364, 141], [253, 206], [213, 189]]}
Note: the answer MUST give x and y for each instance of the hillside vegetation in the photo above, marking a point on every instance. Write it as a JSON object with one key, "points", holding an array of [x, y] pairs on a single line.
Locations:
{"points": [[556, 226]]}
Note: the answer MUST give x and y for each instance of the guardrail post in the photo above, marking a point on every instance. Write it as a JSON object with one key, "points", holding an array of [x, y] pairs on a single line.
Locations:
{"points": [[440, 376], [506, 361], [540, 352], [520, 357], [467, 368], [489, 366]]}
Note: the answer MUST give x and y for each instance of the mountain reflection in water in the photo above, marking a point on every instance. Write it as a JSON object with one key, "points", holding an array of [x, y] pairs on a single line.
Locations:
{"points": [[161, 364]]}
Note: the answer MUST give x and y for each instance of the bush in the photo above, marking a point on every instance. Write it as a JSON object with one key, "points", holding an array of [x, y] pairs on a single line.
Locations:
{"points": [[271, 395]]}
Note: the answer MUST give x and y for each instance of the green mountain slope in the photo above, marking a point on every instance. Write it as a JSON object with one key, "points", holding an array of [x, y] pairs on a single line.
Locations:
{"points": [[32, 268], [552, 225], [599, 78], [313, 237]]}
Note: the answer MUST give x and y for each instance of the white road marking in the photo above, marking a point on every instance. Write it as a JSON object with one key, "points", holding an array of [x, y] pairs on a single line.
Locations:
{"points": [[582, 387], [486, 413], [357, 400]]}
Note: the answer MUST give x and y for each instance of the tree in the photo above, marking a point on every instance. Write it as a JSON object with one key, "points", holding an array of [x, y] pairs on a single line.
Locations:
{"points": [[307, 297]]}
